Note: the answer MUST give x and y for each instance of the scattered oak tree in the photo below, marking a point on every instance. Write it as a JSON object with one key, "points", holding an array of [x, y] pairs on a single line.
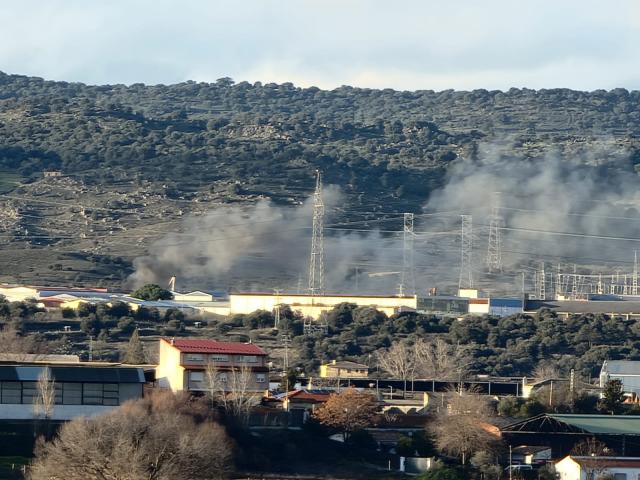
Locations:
{"points": [[348, 412], [152, 292], [160, 437]]}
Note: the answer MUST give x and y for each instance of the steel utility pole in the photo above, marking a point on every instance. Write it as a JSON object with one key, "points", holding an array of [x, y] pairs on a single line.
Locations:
{"points": [[408, 280], [466, 251], [494, 248], [316, 260]]}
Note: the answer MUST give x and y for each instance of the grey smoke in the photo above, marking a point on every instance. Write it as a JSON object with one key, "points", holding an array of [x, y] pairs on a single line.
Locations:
{"points": [[263, 247], [578, 194]]}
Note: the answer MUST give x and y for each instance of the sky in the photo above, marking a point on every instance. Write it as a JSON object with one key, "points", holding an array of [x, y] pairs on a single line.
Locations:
{"points": [[400, 44]]}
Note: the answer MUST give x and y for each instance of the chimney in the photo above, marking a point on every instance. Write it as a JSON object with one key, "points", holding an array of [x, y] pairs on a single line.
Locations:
{"points": [[173, 340], [333, 362]]}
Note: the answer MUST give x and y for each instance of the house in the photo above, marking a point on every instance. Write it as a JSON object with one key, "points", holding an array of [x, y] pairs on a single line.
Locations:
{"points": [[81, 389], [530, 454], [627, 371], [303, 399], [588, 468], [184, 365], [560, 432], [343, 369]]}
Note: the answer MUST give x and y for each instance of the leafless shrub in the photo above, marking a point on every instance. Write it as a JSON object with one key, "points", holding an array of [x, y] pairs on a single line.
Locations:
{"points": [[151, 439]]}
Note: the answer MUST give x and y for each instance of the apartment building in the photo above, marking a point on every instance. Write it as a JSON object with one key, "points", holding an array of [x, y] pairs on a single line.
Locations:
{"points": [[186, 365]]}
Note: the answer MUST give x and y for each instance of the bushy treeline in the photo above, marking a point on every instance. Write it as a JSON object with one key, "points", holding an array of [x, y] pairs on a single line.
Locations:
{"points": [[512, 346], [387, 145]]}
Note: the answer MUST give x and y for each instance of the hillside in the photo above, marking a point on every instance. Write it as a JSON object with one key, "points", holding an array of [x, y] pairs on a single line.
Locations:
{"points": [[136, 160]]}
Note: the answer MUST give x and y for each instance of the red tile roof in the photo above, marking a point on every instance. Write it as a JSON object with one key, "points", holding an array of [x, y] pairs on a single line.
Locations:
{"points": [[213, 346], [303, 395]]}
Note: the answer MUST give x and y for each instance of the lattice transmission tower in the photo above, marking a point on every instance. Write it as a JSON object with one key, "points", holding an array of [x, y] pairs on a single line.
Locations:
{"points": [[316, 260], [494, 248], [408, 279], [466, 252]]}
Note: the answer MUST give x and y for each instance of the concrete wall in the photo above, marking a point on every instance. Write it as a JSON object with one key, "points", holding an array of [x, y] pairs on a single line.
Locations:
{"points": [[169, 373], [18, 294], [60, 412], [313, 306]]}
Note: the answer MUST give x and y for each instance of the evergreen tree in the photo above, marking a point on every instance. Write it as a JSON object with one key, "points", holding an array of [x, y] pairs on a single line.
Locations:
{"points": [[612, 398], [135, 352]]}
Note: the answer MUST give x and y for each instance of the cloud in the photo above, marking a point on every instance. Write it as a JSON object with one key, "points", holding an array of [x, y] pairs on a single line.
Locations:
{"points": [[406, 44]]}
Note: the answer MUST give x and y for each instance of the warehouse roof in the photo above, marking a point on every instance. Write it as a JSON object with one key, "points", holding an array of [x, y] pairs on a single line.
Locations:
{"points": [[597, 424], [70, 373], [576, 306], [621, 367]]}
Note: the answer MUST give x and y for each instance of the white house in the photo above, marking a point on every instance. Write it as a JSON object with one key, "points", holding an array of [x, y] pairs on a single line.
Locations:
{"points": [[627, 371], [592, 468]]}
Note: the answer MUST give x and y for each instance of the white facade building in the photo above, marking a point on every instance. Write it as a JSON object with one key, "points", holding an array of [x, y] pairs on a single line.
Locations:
{"points": [[627, 371], [592, 468]]}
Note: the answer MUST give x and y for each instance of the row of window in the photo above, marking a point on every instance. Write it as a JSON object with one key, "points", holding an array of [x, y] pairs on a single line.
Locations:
{"points": [[196, 379], [65, 393], [218, 357]]}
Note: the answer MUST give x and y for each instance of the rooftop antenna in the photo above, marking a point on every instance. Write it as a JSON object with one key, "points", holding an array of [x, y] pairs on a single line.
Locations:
{"points": [[494, 249], [466, 248], [316, 261], [408, 278]]}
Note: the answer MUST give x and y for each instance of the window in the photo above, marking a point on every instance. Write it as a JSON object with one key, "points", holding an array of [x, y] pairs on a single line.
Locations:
{"points": [[196, 380], [92, 393], [195, 357], [29, 392], [222, 377], [218, 357], [11, 392], [620, 476], [72, 393], [261, 378], [248, 359], [111, 394]]}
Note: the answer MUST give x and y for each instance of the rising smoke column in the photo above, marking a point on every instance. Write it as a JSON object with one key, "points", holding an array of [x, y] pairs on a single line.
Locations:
{"points": [[262, 247], [553, 193]]}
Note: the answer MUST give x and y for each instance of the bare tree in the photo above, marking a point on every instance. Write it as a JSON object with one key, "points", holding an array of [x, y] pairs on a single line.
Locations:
{"points": [[425, 359], [441, 360], [233, 389], [21, 347], [398, 360], [463, 428], [545, 371], [593, 450], [45, 400], [156, 438]]}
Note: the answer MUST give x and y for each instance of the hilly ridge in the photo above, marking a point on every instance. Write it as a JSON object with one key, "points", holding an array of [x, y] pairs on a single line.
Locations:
{"points": [[137, 159]]}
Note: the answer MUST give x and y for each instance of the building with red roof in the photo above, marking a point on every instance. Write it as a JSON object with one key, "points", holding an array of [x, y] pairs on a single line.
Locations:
{"points": [[201, 365]]}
